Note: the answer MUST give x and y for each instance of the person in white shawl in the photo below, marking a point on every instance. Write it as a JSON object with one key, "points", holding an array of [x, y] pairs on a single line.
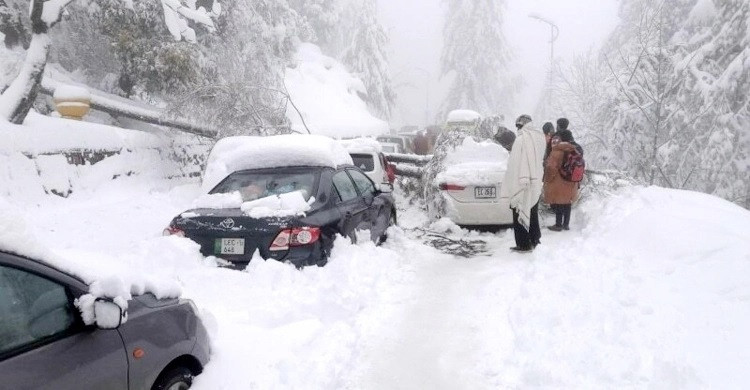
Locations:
{"points": [[522, 185]]}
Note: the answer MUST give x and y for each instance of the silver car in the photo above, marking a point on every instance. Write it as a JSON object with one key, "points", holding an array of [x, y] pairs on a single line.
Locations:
{"points": [[44, 343]]}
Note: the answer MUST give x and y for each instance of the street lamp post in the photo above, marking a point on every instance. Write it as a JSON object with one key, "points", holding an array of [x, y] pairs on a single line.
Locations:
{"points": [[554, 34], [428, 78]]}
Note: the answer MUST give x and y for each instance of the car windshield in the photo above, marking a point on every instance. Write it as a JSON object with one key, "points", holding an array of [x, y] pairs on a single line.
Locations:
{"points": [[364, 162], [256, 185], [389, 148]]}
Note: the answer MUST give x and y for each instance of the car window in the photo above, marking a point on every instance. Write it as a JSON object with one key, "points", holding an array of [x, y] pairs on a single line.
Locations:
{"points": [[257, 185], [364, 162], [32, 309], [344, 186], [363, 182]]}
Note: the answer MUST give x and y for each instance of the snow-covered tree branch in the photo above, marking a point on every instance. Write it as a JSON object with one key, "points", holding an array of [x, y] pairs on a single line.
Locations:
{"points": [[18, 98]]}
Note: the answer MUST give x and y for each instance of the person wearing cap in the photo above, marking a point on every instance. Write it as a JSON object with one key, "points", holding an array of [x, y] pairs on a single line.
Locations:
{"points": [[522, 185]]}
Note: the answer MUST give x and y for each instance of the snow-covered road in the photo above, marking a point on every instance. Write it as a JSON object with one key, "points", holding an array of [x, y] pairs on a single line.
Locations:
{"points": [[616, 302]]}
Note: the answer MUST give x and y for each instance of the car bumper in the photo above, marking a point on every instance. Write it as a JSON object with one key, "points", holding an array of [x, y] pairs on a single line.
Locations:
{"points": [[299, 257], [487, 213]]}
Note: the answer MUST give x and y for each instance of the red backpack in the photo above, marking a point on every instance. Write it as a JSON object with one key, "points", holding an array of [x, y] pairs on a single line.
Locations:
{"points": [[573, 167]]}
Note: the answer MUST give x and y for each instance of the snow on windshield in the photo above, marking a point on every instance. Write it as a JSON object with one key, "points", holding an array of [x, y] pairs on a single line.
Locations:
{"points": [[234, 154]]}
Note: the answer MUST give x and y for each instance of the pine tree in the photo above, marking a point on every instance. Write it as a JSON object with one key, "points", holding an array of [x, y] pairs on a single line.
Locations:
{"points": [[367, 58], [476, 56]]}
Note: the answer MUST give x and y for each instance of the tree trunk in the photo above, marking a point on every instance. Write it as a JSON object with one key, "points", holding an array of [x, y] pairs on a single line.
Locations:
{"points": [[16, 101]]}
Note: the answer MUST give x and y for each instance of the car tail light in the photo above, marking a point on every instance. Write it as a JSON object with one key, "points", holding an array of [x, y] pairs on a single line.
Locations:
{"points": [[451, 187], [173, 231], [391, 172], [294, 237]]}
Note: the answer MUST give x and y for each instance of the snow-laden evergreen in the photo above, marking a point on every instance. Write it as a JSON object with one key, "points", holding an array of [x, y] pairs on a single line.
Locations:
{"points": [[476, 56], [367, 57]]}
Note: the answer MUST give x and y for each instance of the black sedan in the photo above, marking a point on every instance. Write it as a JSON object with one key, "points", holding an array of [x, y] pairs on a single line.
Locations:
{"points": [[342, 202]]}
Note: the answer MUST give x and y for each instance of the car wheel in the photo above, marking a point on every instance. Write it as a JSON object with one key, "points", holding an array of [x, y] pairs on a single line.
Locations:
{"points": [[393, 221], [178, 378]]}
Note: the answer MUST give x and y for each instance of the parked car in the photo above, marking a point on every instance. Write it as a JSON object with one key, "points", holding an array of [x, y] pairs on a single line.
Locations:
{"points": [[391, 148], [470, 182], [343, 201], [368, 156], [44, 343], [403, 144]]}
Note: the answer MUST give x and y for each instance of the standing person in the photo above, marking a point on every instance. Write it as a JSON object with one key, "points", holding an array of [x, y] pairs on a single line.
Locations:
{"points": [[421, 144], [560, 193], [522, 185]]}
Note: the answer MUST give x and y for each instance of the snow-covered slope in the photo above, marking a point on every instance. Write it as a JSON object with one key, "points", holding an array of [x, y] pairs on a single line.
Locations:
{"points": [[328, 97]]}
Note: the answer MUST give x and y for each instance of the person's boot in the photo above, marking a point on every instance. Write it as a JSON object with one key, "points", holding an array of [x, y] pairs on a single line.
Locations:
{"points": [[566, 227], [555, 228], [521, 250]]}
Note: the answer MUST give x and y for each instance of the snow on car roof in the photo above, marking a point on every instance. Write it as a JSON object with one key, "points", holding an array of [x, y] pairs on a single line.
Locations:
{"points": [[362, 145], [234, 154], [463, 116], [17, 237]]}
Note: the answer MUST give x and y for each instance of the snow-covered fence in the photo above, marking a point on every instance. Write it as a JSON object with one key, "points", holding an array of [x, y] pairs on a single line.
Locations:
{"points": [[413, 159], [408, 165]]}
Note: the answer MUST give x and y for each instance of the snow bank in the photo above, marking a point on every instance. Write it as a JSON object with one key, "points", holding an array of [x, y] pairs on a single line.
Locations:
{"points": [[649, 290], [234, 154], [328, 97], [463, 116], [474, 163], [43, 134]]}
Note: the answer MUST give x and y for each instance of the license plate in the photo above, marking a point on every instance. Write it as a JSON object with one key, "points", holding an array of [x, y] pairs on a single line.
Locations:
{"points": [[485, 192], [229, 246]]}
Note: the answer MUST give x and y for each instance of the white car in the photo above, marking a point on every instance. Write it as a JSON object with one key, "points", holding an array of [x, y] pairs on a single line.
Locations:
{"points": [[367, 155], [470, 184], [388, 147]]}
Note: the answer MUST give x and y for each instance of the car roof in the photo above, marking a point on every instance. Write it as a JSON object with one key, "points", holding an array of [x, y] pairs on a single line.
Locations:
{"points": [[35, 265]]}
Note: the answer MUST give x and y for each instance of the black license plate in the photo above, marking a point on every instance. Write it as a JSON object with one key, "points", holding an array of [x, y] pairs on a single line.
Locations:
{"points": [[485, 192]]}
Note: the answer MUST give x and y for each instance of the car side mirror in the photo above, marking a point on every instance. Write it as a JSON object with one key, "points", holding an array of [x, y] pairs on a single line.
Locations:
{"points": [[108, 314]]}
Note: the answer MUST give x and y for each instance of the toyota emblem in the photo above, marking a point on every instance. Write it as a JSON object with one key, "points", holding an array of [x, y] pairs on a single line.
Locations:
{"points": [[227, 223]]}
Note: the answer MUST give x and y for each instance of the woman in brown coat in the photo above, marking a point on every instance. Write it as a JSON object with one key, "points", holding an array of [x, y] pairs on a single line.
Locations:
{"points": [[558, 192]]}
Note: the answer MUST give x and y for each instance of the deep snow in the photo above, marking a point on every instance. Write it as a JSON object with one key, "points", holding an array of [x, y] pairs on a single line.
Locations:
{"points": [[649, 289]]}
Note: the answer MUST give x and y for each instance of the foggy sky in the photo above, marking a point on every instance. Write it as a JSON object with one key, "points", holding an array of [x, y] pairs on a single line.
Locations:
{"points": [[415, 28]]}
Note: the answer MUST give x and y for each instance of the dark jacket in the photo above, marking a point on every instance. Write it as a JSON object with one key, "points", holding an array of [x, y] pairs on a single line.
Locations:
{"points": [[505, 138]]}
